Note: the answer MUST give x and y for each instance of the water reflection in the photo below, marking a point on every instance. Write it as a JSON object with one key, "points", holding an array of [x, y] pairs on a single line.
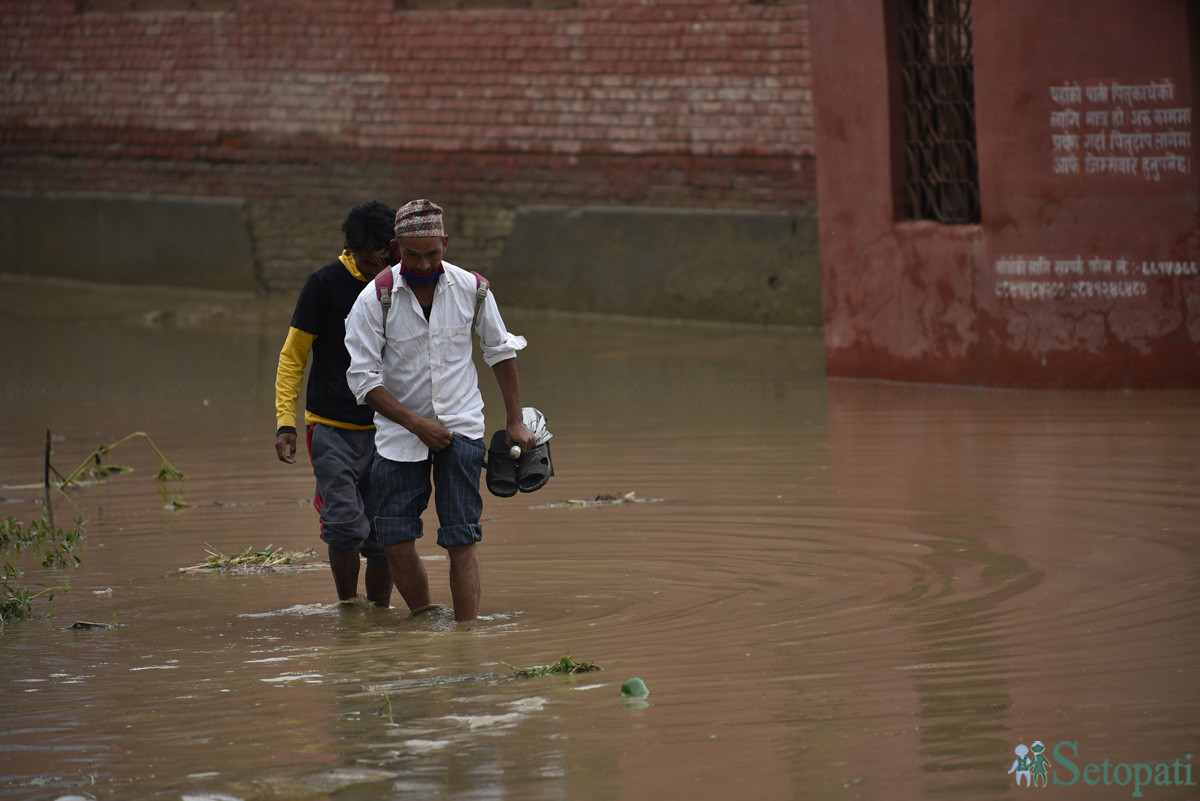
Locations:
{"points": [[847, 590], [960, 669]]}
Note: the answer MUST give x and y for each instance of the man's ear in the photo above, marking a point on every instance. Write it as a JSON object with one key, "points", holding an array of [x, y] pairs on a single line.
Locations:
{"points": [[445, 243], [395, 245]]}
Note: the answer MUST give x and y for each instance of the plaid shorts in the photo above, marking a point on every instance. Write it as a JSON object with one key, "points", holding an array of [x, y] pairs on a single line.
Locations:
{"points": [[403, 490]]}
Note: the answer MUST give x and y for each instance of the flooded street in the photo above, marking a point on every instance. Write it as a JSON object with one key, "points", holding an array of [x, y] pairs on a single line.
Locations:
{"points": [[832, 589]]}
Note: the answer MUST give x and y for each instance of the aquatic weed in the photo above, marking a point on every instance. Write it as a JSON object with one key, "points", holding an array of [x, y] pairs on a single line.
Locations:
{"points": [[57, 550], [385, 711], [93, 468], [563, 667], [16, 602]]}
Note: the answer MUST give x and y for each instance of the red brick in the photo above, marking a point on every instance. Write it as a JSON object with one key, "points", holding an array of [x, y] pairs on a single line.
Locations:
{"points": [[298, 105]]}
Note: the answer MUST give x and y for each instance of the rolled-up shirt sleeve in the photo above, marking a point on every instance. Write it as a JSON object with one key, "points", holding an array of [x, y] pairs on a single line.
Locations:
{"points": [[364, 343], [494, 339]]}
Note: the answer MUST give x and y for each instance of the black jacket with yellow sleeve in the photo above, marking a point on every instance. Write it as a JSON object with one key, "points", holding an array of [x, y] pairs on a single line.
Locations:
{"points": [[318, 329]]}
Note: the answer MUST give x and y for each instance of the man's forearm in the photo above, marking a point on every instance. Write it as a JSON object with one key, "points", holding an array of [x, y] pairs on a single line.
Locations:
{"points": [[510, 389], [430, 431], [386, 404]]}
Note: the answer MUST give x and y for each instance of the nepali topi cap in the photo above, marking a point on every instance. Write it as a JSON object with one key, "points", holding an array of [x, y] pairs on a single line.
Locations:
{"points": [[419, 218]]}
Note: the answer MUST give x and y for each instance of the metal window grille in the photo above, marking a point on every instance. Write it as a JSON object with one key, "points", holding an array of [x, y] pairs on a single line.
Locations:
{"points": [[937, 74]]}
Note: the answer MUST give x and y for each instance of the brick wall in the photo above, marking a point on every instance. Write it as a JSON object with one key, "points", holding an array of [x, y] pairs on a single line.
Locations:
{"points": [[306, 107]]}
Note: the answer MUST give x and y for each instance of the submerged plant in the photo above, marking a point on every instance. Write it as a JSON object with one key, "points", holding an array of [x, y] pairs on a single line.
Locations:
{"points": [[56, 545], [385, 711], [16, 602], [93, 468], [565, 666], [57, 550], [249, 559]]}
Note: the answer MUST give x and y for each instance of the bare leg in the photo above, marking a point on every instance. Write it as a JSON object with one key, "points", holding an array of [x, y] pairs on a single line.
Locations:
{"points": [[466, 581], [378, 583], [409, 574], [344, 565]]}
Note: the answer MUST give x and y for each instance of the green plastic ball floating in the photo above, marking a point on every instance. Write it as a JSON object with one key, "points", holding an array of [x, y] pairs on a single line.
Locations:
{"points": [[634, 688]]}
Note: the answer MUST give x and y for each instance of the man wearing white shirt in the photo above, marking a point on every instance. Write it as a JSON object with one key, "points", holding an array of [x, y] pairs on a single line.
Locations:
{"points": [[424, 388]]}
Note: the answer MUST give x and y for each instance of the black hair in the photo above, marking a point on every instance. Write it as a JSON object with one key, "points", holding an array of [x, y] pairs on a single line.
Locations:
{"points": [[369, 227]]}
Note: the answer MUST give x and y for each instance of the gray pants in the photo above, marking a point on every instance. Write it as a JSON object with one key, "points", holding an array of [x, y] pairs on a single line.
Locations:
{"points": [[341, 460]]}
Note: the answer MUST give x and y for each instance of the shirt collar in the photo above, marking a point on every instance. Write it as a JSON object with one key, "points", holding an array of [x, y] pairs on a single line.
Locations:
{"points": [[347, 259]]}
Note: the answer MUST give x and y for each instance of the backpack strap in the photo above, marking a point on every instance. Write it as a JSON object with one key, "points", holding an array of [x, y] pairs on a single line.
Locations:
{"points": [[384, 284], [481, 290]]}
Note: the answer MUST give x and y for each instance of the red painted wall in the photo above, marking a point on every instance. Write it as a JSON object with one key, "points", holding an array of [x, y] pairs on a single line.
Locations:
{"points": [[1083, 271], [306, 107]]}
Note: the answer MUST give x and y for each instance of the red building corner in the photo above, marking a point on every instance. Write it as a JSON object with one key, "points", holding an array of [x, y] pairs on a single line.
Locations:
{"points": [[1008, 192]]}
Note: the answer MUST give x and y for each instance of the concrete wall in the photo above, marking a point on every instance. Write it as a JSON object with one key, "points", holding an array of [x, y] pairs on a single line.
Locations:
{"points": [[730, 265], [707, 265], [1084, 270], [188, 242]]}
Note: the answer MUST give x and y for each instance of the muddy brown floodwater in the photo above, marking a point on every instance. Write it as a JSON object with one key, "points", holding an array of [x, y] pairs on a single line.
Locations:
{"points": [[833, 590]]}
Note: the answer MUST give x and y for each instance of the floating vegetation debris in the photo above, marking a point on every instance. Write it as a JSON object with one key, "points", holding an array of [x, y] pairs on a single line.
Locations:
{"points": [[599, 500], [56, 545], [16, 602], [250, 560], [563, 667], [88, 624], [93, 469], [385, 711], [56, 548]]}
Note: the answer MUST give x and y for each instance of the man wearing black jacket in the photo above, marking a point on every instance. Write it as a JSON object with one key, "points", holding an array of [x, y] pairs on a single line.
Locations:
{"points": [[340, 431]]}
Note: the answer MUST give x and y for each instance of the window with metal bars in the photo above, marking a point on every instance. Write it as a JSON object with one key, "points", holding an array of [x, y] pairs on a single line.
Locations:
{"points": [[936, 72]]}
